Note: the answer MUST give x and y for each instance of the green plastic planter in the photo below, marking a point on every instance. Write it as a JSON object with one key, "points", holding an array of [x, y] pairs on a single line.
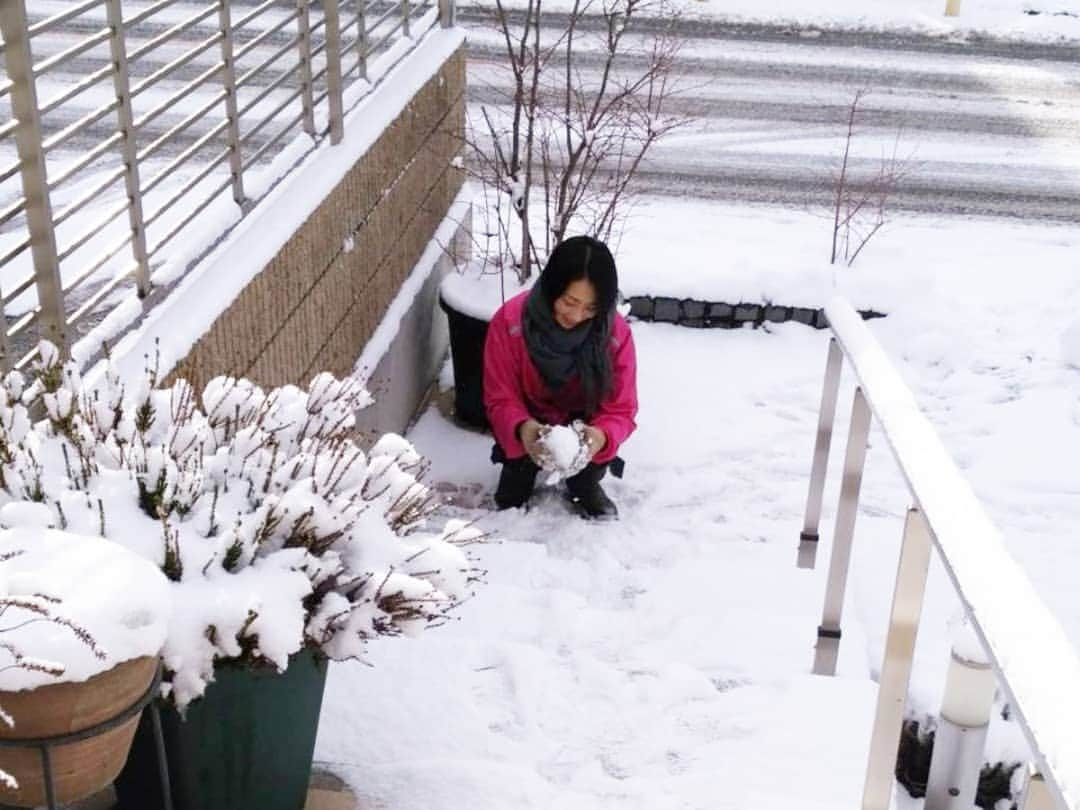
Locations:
{"points": [[246, 745]]}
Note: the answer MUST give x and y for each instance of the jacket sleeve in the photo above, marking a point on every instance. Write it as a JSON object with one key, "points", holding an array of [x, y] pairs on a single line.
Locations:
{"points": [[504, 398], [617, 412]]}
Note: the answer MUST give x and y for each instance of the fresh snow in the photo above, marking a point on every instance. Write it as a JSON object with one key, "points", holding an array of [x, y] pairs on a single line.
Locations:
{"points": [[1023, 20], [661, 661], [121, 599]]}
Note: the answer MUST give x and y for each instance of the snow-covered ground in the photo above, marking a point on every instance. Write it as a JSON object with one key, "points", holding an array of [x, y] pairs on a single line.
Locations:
{"points": [[1026, 20], [661, 661], [1022, 19]]}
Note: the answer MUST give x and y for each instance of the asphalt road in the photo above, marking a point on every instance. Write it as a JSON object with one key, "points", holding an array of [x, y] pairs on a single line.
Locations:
{"points": [[984, 127]]}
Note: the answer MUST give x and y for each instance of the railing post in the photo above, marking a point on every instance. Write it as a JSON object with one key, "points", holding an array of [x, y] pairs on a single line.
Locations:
{"points": [[126, 124], [361, 40], [20, 70], [447, 13], [808, 538], [896, 666], [828, 643], [236, 162], [961, 733], [405, 18], [1037, 795], [333, 69], [307, 89]]}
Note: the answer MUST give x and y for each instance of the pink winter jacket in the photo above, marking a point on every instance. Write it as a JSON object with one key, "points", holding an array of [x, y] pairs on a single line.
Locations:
{"points": [[515, 391]]}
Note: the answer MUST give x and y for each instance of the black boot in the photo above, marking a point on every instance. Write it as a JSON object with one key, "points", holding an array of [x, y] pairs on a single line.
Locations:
{"points": [[516, 482], [586, 492]]}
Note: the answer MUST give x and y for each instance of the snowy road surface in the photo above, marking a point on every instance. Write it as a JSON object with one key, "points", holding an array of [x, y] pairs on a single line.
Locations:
{"points": [[994, 133]]}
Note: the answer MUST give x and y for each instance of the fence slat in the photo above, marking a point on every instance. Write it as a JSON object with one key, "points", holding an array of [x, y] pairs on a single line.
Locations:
{"points": [[828, 643], [28, 143], [896, 667], [808, 539], [307, 94], [128, 146], [229, 80]]}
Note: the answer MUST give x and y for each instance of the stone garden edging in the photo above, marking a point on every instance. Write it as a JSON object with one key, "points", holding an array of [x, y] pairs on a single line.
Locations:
{"points": [[720, 315]]}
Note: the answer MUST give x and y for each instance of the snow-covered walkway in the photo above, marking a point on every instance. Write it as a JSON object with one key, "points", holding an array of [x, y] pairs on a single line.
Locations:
{"points": [[643, 664], [661, 661]]}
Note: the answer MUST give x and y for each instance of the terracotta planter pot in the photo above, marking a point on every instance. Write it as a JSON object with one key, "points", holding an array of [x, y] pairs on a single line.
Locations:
{"points": [[80, 768]]}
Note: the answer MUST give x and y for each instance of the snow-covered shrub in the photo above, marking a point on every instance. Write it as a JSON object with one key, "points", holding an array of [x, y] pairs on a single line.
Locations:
{"points": [[276, 529]]}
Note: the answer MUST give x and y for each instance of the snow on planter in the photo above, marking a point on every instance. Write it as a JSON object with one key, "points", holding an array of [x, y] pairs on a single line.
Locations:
{"points": [[108, 606], [274, 529]]}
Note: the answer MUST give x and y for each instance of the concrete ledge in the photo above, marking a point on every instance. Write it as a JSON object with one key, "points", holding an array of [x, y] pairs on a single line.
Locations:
{"points": [[326, 792], [405, 352]]}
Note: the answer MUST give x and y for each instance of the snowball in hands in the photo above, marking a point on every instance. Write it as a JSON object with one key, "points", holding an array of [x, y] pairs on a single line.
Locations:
{"points": [[566, 451]]}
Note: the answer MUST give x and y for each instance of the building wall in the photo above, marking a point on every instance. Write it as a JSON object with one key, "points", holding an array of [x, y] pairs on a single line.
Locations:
{"points": [[316, 304]]}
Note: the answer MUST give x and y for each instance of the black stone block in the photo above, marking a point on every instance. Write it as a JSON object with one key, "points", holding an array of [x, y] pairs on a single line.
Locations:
{"points": [[694, 313], [747, 313], [666, 310], [777, 314], [641, 306], [720, 314], [804, 315]]}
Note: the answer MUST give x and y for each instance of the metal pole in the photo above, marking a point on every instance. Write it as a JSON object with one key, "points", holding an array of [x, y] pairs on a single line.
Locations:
{"points": [[20, 70], [229, 79], [808, 538], [361, 40], [960, 735], [163, 762], [896, 666], [126, 125], [447, 13], [828, 644], [333, 70], [405, 18], [307, 91], [47, 775]]}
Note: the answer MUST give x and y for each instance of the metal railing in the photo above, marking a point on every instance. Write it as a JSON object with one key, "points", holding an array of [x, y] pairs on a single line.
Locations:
{"points": [[137, 132], [1023, 645]]}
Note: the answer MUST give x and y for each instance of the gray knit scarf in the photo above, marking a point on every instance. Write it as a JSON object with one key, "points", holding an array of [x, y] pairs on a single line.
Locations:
{"points": [[559, 354]]}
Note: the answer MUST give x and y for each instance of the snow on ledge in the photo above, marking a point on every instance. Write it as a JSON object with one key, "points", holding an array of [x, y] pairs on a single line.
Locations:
{"points": [[174, 326], [383, 336], [1036, 664]]}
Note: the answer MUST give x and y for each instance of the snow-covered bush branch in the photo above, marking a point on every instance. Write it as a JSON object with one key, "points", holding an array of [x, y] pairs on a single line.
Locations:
{"points": [[276, 529]]}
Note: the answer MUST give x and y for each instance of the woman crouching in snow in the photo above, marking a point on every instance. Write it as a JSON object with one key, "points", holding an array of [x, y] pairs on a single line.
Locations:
{"points": [[557, 353]]}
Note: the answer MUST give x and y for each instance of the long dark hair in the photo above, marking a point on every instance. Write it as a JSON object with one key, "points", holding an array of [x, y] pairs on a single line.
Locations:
{"points": [[582, 258], [586, 258]]}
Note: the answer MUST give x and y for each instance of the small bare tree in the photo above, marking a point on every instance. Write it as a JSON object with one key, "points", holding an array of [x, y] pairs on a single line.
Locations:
{"points": [[588, 98], [861, 206]]}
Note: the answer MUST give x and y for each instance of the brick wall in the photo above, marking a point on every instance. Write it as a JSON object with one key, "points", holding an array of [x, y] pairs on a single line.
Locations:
{"points": [[317, 302]]}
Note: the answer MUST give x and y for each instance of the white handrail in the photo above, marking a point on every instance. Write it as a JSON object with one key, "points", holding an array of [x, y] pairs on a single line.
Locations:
{"points": [[1035, 663]]}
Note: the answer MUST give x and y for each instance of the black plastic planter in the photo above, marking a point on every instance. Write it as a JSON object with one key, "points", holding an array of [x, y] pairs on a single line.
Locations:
{"points": [[246, 745], [467, 336]]}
